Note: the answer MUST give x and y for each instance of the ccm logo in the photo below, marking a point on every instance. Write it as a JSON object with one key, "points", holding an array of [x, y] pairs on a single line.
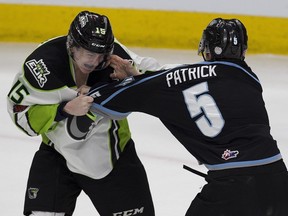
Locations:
{"points": [[130, 212]]}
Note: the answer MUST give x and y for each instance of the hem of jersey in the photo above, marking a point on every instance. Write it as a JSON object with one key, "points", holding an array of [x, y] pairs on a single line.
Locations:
{"points": [[242, 164]]}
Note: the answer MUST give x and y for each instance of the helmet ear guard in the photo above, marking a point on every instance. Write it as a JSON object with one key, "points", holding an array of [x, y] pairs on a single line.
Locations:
{"points": [[224, 39]]}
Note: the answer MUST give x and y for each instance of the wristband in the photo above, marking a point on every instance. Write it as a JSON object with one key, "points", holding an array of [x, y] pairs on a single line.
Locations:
{"points": [[61, 114]]}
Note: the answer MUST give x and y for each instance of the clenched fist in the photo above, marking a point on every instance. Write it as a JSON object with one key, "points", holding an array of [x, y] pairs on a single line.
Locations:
{"points": [[122, 68], [79, 106]]}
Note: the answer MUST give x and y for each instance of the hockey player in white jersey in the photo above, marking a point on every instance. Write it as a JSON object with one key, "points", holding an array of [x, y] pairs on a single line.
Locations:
{"points": [[79, 150]]}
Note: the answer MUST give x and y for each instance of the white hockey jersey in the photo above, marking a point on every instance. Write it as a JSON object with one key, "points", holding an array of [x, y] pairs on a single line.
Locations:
{"points": [[90, 144]]}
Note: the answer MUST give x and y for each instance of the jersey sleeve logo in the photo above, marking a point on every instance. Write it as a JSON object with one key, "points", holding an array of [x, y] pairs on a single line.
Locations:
{"points": [[39, 71]]}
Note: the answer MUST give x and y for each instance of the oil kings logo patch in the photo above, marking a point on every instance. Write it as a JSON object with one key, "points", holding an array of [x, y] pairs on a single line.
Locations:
{"points": [[39, 71], [32, 193], [228, 154]]}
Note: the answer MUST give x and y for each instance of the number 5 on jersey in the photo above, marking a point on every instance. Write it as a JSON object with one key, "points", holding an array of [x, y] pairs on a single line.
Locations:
{"points": [[203, 107]]}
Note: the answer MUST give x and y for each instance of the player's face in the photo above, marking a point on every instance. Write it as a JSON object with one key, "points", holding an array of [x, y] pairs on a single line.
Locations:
{"points": [[86, 60]]}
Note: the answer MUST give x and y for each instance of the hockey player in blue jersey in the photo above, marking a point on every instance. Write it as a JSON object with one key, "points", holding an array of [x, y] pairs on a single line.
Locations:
{"points": [[79, 150], [216, 110]]}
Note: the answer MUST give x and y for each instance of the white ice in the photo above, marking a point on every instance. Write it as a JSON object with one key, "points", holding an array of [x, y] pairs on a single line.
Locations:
{"points": [[172, 187]]}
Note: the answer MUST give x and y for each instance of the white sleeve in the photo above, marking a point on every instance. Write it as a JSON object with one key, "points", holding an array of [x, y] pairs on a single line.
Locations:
{"points": [[147, 63], [23, 98], [143, 64]]}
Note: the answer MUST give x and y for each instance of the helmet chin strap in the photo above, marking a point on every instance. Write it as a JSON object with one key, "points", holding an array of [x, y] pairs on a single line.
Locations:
{"points": [[70, 53], [203, 56], [102, 64]]}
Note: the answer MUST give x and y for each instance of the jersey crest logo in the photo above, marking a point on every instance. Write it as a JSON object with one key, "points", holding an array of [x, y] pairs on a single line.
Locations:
{"points": [[228, 154], [39, 71]]}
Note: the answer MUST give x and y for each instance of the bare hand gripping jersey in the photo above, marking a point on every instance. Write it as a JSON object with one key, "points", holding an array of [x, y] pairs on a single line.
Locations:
{"points": [[215, 109], [90, 144]]}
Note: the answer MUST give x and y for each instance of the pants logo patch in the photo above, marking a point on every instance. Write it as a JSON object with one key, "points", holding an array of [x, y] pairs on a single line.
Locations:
{"points": [[32, 193], [130, 212]]}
